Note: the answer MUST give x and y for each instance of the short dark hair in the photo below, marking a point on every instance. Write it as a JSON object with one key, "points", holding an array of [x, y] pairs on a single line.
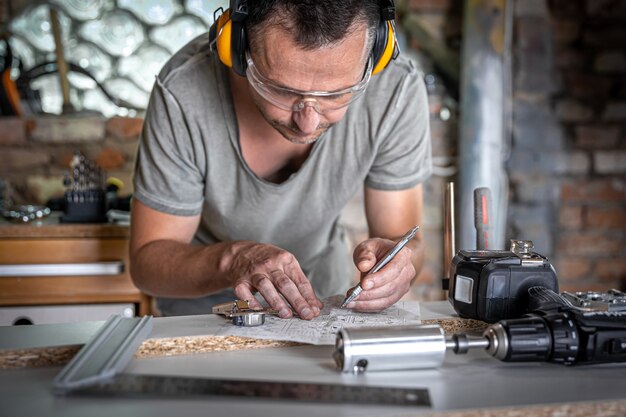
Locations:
{"points": [[313, 23]]}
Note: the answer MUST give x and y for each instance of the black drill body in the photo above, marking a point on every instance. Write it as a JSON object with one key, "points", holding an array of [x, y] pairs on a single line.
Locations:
{"points": [[556, 331]]}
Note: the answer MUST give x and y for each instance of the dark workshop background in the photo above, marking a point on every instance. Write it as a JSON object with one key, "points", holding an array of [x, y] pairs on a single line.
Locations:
{"points": [[566, 162]]}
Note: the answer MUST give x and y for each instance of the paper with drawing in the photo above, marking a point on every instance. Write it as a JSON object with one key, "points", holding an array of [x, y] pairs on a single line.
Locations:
{"points": [[323, 329]]}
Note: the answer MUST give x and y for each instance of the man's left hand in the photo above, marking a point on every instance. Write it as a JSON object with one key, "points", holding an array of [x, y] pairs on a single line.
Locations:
{"points": [[385, 287]]}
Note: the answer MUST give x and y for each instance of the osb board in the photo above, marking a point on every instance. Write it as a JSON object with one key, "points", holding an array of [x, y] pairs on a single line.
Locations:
{"points": [[37, 357], [173, 346], [582, 409], [151, 348]]}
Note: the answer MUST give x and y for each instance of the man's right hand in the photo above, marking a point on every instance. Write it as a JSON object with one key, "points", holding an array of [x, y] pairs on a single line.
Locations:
{"points": [[274, 273]]}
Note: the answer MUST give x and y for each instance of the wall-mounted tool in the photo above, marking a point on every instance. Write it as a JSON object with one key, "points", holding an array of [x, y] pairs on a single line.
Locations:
{"points": [[60, 61], [241, 314], [482, 218], [555, 331]]}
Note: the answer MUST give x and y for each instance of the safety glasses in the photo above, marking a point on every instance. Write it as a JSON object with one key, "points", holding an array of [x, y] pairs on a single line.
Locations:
{"points": [[296, 100]]}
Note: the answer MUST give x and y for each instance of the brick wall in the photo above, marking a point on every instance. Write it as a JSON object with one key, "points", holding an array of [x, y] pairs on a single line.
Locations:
{"points": [[568, 164], [35, 152]]}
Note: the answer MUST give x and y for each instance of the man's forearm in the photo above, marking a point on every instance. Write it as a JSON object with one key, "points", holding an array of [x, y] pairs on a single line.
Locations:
{"points": [[170, 268], [175, 269]]}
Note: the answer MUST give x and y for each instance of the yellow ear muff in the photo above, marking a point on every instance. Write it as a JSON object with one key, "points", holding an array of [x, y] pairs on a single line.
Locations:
{"points": [[224, 31], [387, 54]]}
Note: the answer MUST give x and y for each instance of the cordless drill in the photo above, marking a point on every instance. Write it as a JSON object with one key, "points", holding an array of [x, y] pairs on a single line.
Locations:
{"points": [[555, 330]]}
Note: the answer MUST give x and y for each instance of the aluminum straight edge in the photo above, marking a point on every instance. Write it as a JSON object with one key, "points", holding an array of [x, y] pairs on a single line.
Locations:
{"points": [[71, 269], [87, 367]]}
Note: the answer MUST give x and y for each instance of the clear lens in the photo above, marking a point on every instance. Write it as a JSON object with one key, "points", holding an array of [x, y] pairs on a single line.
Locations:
{"points": [[294, 100]]}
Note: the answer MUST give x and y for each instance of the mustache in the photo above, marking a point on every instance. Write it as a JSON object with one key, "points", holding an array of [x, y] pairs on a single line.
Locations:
{"points": [[294, 128]]}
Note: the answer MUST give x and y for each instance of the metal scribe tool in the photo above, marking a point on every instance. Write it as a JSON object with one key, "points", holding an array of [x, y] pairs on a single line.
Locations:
{"points": [[384, 261]]}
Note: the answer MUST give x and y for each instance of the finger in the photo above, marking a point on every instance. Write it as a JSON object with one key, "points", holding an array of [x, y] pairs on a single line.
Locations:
{"points": [[384, 291], [305, 289], [289, 290], [243, 292], [385, 284], [382, 297], [383, 277], [365, 256], [266, 288], [401, 266]]}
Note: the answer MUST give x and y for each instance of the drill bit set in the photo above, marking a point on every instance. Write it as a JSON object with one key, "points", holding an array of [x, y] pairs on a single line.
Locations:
{"points": [[85, 199]]}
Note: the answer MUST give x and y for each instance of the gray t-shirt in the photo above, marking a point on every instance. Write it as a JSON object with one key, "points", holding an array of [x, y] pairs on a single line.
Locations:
{"points": [[190, 162]]}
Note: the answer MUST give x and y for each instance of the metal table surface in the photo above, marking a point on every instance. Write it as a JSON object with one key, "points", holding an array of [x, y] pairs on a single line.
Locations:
{"points": [[464, 382]]}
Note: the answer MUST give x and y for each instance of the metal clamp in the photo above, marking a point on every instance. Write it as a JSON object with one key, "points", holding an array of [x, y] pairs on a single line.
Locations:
{"points": [[241, 313]]}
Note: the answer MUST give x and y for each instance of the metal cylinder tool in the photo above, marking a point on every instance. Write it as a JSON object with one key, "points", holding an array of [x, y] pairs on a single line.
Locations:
{"points": [[389, 348]]}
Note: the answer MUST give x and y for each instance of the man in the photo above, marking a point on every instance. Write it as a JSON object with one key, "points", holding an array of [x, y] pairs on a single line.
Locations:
{"points": [[242, 172]]}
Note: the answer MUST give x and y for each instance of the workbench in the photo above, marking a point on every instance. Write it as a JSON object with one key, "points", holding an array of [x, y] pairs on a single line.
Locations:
{"points": [[466, 385], [54, 272]]}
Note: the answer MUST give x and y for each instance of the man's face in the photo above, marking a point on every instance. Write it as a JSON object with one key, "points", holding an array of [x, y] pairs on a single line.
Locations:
{"points": [[278, 59]]}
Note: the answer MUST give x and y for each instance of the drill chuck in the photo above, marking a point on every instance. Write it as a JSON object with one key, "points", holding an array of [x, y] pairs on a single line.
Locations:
{"points": [[552, 338]]}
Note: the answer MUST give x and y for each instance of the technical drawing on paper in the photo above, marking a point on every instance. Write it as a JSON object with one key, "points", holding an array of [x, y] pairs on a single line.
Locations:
{"points": [[322, 330]]}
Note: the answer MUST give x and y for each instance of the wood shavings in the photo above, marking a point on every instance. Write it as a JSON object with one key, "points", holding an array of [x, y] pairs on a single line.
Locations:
{"points": [[39, 357], [202, 344], [151, 348], [457, 325]]}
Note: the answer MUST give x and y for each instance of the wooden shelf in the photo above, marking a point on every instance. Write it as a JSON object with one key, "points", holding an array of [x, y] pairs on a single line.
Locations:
{"points": [[51, 242], [51, 227]]}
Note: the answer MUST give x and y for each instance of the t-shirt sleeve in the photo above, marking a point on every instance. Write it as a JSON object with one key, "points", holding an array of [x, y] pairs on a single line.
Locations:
{"points": [[403, 158], [166, 177]]}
